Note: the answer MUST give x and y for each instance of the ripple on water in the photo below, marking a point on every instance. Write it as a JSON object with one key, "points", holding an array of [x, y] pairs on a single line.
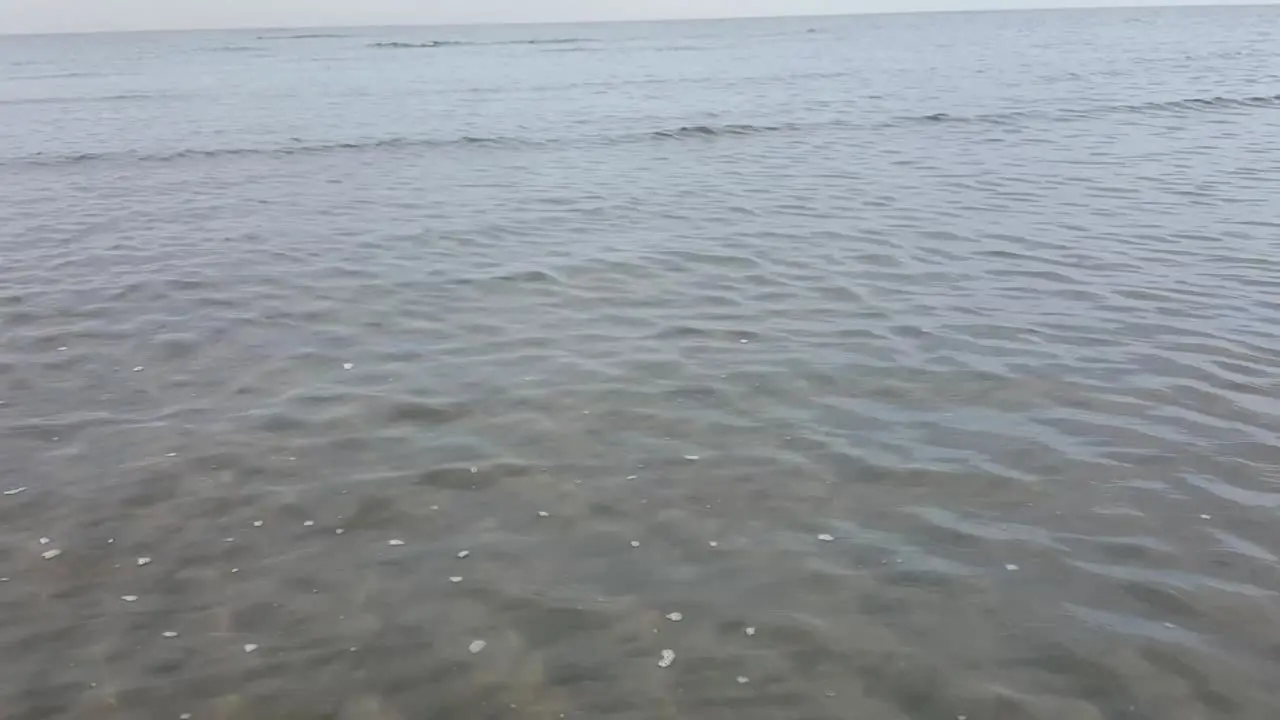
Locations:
{"points": [[1011, 354]]}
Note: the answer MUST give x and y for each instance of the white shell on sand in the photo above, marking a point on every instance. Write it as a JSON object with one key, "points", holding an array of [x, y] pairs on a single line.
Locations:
{"points": [[338, 531], [749, 631], [45, 541], [1011, 567], [50, 554], [250, 647], [635, 543], [455, 579], [691, 458], [139, 369], [257, 523], [543, 513], [129, 598], [15, 491], [348, 366], [464, 553], [675, 617], [713, 543], [826, 538], [395, 543], [477, 646], [169, 634], [668, 657], [144, 561], [743, 679], [308, 523]]}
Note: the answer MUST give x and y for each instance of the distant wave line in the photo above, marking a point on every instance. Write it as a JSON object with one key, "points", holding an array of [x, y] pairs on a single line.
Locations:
{"points": [[281, 150], [305, 36], [59, 75], [398, 45], [230, 48], [679, 133], [83, 99]]}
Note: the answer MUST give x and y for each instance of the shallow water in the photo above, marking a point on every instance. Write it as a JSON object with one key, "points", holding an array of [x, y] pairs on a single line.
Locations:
{"points": [[991, 300]]}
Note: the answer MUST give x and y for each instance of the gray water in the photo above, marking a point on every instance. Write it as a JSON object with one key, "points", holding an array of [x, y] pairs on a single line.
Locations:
{"points": [[991, 300]]}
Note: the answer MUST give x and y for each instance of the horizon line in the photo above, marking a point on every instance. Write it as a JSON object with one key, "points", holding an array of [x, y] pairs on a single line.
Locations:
{"points": [[627, 21]]}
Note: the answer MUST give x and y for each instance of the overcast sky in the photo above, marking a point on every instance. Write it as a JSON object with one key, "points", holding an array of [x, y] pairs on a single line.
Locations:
{"points": [[19, 16]]}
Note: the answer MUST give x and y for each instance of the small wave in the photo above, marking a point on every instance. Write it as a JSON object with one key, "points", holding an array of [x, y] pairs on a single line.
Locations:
{"points": [[1214, 103], [1003, 118], [680, 48], [688, 132], [685, 132], [1205, 104], [398, 45], [409, 46], [231, 48], [529, 276], [403, 46], [81, 99], [699, 131], [544, 41], [61, 75], [42, 159], [304, 36]]}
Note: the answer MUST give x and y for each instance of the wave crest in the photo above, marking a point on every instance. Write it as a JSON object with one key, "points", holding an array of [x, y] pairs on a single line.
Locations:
{"points": [[304, 36], [1203, 104], [681, 133], [704, 131], [400, 45], [688, 132]]}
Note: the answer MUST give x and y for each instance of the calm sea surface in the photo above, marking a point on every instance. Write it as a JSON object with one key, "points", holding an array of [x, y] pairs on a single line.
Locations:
{"points": [[927, 367]]}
